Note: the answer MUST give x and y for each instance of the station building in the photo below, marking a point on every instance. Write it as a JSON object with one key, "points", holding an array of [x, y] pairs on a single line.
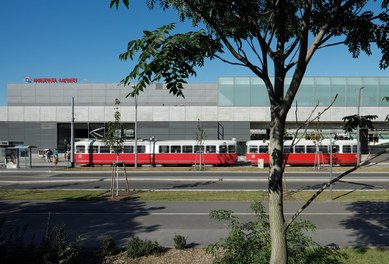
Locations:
{"points": [[39, 111]]}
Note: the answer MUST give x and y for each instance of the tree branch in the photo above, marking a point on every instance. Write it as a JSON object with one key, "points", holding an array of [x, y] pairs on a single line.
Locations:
{"points": [[307, 122], [229, 62], [331, 44], [252, 46], [223, 38], [328, 184]]}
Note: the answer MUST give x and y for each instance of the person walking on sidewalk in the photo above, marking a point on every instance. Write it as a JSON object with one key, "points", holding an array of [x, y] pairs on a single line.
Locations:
{"points": [[55, 157]]}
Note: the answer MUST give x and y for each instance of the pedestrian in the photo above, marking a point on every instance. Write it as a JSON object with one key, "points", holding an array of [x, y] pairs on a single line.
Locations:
{"points": [[49, 153], [55, 157]]}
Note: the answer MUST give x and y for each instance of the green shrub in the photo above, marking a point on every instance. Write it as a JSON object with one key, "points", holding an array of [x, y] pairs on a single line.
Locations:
{"points": [[250, 242], [107, 246], [179, 242], [13, 250], [55, 248], [137, 248]]}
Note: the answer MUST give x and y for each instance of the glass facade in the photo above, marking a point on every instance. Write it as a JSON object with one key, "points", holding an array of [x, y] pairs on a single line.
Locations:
{"points": [[88, 130], [251, 91]]}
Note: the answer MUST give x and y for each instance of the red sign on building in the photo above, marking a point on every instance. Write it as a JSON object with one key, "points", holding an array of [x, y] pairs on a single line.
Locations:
{"points": [[54, 80]]}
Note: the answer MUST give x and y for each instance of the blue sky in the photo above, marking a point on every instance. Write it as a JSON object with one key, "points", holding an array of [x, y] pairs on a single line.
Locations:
{"points": [[83, 38]]}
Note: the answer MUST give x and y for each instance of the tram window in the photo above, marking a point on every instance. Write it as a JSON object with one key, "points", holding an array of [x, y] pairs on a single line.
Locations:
{"points": [[176, 149], [104, 149], [263, 149], [253, 149], [141, 149], [164, 149], [199, 149], [80, 149], [335, 148], [288, 149], [355, 149], [128, 149], [93, 149], [187, 149], [210, 149], [231, 149], [299, 149], [323, 149], [373, 138], [222, 149], [346, 149], [117, 149], [311, 149]]}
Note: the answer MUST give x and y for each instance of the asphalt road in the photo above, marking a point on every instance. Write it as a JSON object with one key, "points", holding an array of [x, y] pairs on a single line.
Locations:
{"points": [[37, 179], [343, 224]]}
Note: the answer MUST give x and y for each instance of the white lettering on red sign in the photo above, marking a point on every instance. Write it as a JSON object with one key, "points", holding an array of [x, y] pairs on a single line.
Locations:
{"points": [[54, 80]]}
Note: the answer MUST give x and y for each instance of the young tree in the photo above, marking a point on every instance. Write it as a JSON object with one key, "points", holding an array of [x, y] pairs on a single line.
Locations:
{"points": [[284, 33], [113, 138], [200, 136], [113, 135]]}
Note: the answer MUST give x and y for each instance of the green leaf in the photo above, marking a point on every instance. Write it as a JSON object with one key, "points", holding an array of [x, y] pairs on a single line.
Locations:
{"points": [[171, 58], [353, 121], [117, 2]]}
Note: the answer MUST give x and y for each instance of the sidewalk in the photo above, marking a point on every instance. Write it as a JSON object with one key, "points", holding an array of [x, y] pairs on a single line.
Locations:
{"points": [[37, 163]]}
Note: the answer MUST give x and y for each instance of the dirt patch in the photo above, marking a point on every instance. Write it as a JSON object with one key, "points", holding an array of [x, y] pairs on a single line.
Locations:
{"points": [[171, 256], [122, 196]]}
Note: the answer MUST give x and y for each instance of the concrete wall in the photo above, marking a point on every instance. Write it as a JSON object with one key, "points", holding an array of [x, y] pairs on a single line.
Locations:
{"points": [[187, 130], [104, 94], [176, 113], [40, 134]]}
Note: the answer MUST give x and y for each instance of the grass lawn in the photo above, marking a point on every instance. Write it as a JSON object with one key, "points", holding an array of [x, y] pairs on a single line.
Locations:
{"points": [[340, 196], [53, 195], [366, 255]]}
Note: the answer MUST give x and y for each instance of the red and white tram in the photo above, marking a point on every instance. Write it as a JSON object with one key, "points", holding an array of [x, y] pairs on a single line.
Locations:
{"points": [[163, 152], [306, 152]]}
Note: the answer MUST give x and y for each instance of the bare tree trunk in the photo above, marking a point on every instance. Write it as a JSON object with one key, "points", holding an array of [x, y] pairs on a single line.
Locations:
{"points": [[279, 250]]}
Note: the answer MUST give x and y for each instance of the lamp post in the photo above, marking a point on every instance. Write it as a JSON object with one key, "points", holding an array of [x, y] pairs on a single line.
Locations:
{"points": [[72, 137], [136, 131], [331, 175], [358, 128]]}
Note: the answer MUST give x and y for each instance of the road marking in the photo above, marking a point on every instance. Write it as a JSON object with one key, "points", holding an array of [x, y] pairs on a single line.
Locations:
{"points": [[189, 214], [51, 180]]}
